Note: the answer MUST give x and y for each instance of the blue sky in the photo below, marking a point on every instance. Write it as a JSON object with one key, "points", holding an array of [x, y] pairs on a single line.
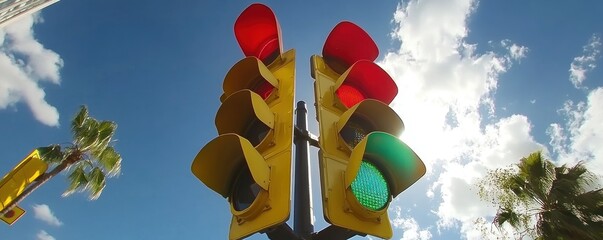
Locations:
{"points": [[481, 84]]}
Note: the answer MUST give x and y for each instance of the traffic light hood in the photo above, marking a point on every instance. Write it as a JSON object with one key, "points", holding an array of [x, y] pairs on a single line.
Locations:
{"points": [[374, 116], [369, 81], [220, 160], [249, 73], [245, 113], [346, 44], [258, 33]]}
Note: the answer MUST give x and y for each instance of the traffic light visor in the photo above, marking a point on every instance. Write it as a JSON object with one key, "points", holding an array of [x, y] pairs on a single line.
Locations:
{"points": [[258, 33], [346, 44], [396, 161], [246, 114], [364, 80], [222, 159], [249, 73], [367, 116]]}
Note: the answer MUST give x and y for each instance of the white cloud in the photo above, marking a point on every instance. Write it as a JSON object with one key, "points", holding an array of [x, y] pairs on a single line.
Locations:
{"points": [[24, 63], [43, 212], [43, 235], [585, 62], [581, 138], [516, 52], [440, 78], [443, 84], [505, 142], [409, 226]]}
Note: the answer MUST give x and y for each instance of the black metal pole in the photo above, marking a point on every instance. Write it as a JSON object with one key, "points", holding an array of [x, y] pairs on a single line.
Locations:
{"points": [[302, 224]]}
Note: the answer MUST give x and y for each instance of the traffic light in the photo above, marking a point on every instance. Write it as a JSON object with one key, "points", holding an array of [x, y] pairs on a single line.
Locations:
{"points": [[363, 163], [15, 181], [249, 163]]}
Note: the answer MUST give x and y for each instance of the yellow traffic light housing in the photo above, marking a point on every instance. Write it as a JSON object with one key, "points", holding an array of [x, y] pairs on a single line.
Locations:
{"points": [[363, 164], [249, 163]]}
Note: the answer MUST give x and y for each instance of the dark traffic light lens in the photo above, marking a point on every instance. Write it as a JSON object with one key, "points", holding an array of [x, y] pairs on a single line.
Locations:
{"points": [[370, 187], [256, 132], [355, 130], [245, 191]]}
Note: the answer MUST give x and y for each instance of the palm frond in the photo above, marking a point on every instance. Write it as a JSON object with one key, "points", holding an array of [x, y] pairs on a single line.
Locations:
{"points": [[507, 215], [96, 183], [538, 174], [545, 230], [584, 177], [51, 154], [110, 161], [590, 204], [89, 136], [568, 226], [78, 120], [106, 130], [77, 181]]}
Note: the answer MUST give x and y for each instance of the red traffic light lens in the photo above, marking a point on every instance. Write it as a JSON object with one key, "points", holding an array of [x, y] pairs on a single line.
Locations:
{"points": [[349, 95], [364, 80], [346, 44], [258, 33]]}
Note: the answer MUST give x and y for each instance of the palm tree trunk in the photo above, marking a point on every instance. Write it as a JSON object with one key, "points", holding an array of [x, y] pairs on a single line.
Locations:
{"points": [[39, 181]]}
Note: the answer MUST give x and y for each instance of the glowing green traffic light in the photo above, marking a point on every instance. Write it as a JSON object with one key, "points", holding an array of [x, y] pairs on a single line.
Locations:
{"points": [[381, 166], [370, 187]]}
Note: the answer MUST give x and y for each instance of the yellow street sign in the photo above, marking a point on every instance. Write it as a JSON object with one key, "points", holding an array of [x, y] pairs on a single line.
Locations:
{"points": [[15, 181], [13, 215]]}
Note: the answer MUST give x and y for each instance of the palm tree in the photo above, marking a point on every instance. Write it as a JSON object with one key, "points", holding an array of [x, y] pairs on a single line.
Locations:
{"points": [[560, 200], [89, 159]]}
